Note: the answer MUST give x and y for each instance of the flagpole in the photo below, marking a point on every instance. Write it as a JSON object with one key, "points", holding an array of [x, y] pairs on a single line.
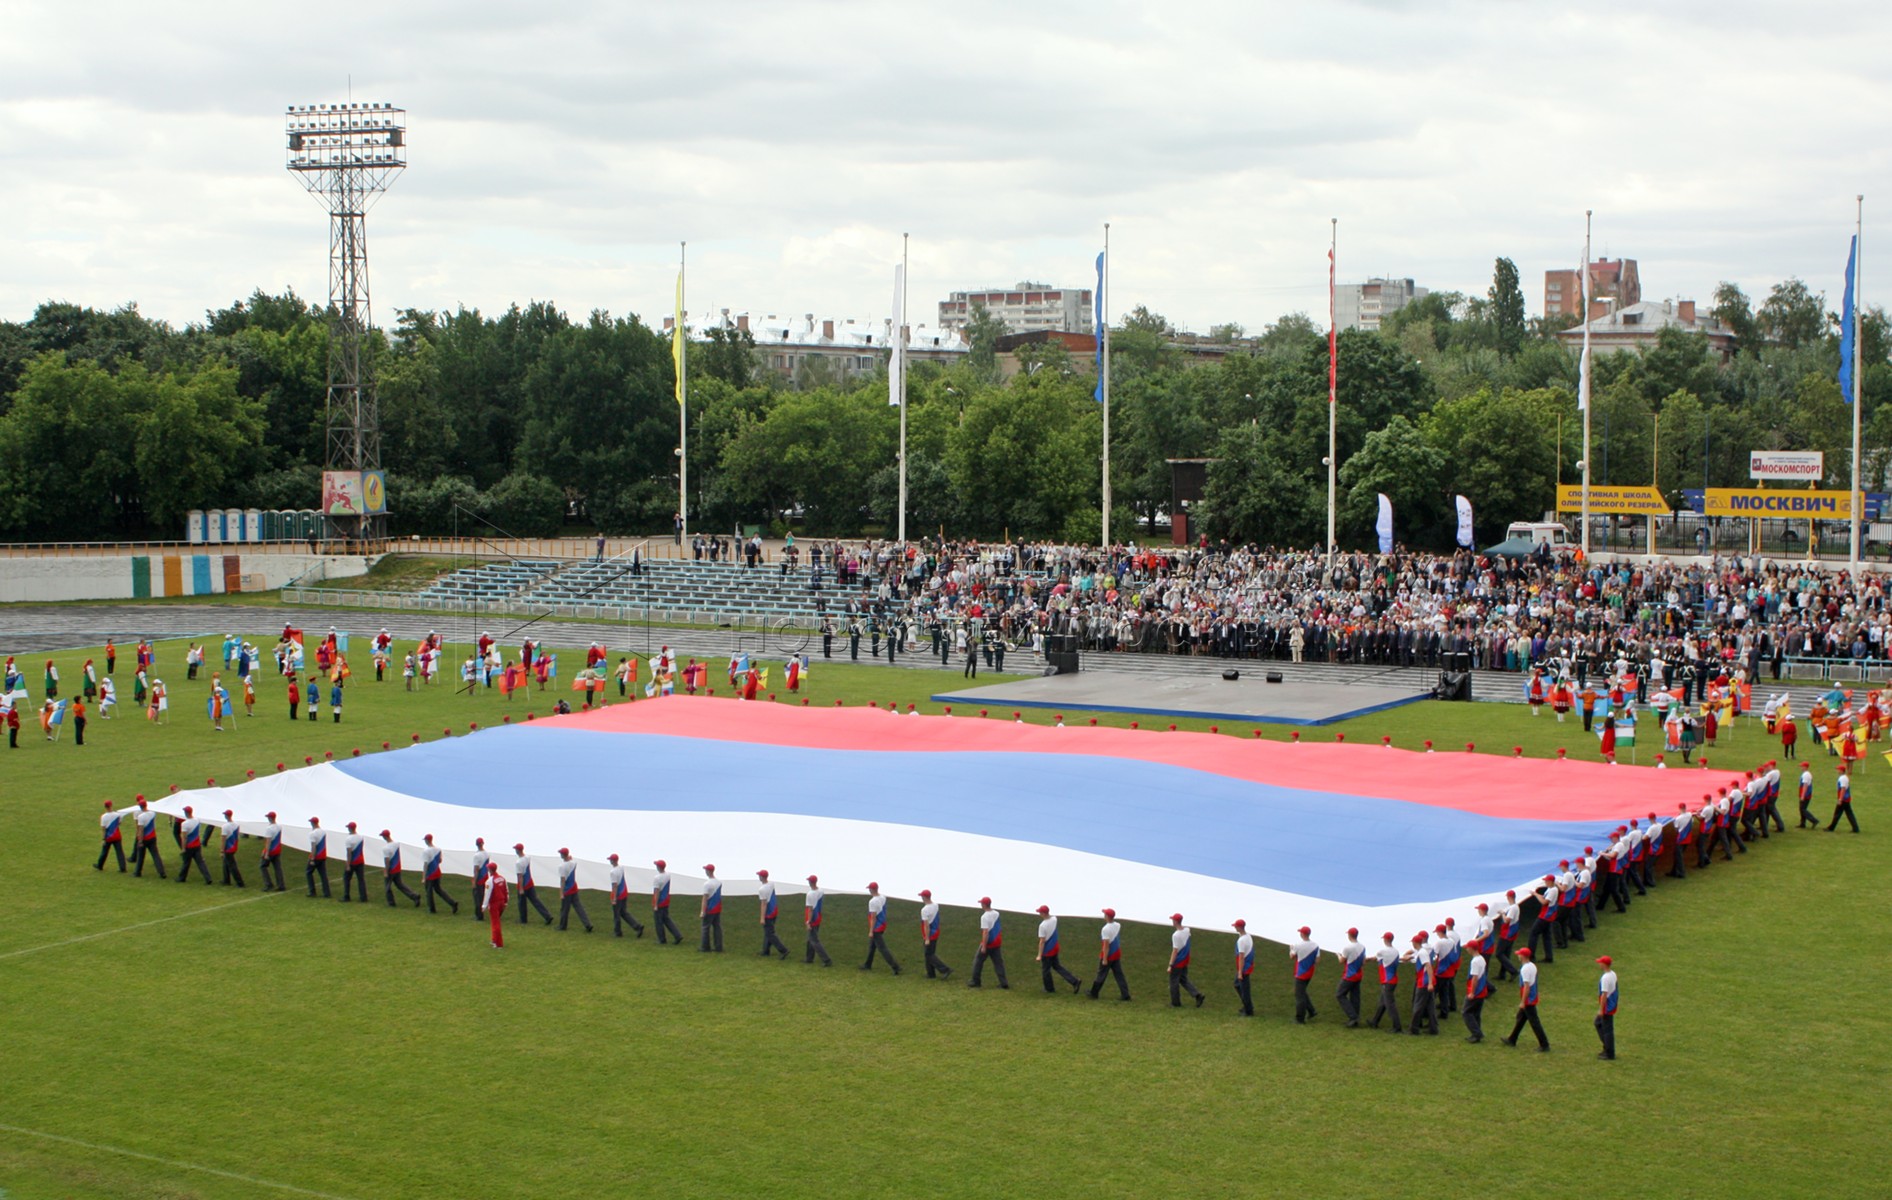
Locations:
{"points": [[899, 364], [1333, 384], [1101, 301], [683, 405], [1583, 381], [1856, 506]]}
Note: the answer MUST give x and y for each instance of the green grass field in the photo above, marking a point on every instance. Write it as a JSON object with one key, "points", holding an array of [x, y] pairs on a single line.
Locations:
{"points": [[167, 1041]]}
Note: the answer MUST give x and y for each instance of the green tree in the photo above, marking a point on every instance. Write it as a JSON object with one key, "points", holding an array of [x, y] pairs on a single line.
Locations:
{"points": [[725, 353], [1398, 461], [1733, 310], [1252, 495], [66, 452], [1500, 451], [1792, 316], [1507, 307], [982, 332], [195, 438]]}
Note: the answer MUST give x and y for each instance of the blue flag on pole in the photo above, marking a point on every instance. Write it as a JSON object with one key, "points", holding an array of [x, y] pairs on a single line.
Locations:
{"points": [[1846, 329], [1097, 320]]}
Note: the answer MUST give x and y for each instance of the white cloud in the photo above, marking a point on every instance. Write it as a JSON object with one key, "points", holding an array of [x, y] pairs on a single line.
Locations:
{"points": [[561, 154]]}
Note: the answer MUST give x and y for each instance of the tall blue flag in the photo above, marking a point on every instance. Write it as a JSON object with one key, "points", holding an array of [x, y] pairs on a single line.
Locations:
{"points": [[1846, 329], [1097, 321]]}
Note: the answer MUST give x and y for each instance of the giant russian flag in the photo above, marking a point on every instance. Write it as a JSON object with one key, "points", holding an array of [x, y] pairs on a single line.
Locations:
{"points": [[1282, 834]]}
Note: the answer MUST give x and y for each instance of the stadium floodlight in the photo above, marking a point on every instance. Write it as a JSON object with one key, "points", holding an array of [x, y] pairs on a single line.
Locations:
{"points": [[347, 155]]}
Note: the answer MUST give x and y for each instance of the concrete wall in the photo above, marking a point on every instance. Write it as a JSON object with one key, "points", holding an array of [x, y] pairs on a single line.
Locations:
{"points": [[141, 576]]}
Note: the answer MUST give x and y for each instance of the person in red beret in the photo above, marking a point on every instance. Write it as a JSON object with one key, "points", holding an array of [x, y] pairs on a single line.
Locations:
{"points": [[232, 834], [667, 930], [811, 921], [355, 865], [1527, 1003], [1048, 951], [877, 929], [1179, 954], [621, 902], [391, 881], [522, 883], [111, 838], [929, 936], [271, 862], [768, 909], [1110, 956], [430, 871], [1606, 1008], [495, 900], [710, 910], [568, 902], [991, 941]]}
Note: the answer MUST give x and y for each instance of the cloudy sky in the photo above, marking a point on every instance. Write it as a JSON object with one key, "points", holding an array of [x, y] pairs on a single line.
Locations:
{"points": [[561, 153]]}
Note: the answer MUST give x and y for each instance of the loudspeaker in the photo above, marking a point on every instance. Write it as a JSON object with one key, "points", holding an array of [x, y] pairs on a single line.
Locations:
{"points": [[1062, 662], [1274, 677], [1454, 685], [1231, 674]]}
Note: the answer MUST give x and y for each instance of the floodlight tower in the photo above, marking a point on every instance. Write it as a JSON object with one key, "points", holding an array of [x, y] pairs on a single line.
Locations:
{"points": [[347, 155]]}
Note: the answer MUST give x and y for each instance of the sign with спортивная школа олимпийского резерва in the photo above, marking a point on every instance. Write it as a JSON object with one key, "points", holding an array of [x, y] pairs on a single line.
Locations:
{"points": [[1776, 502]]}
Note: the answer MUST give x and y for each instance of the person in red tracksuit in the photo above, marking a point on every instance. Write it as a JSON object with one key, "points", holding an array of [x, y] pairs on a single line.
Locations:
{"points": [[496, 903]]}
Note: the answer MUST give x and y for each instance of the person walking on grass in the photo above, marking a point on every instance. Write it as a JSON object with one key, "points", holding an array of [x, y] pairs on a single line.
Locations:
{"points": [[495, 902], [354, 865], [1477, 990], [621, 903], [147, 850], [111, 839], [1527, 1003], [710, 912], [1048, 962], [991, 945], [1303, 956], [1388, 959], [1843, 801], [568, 902], [811, 921], [929, 937], [271, 860], [768, 909], [1352, 958], [528, 893], [877, 930], [1110, 956], [1606, 998], [660, 905], [1179, 953], [232, 838], [193, 848], [430, 857], [1244, 967], [391, 871], [318, 857]]}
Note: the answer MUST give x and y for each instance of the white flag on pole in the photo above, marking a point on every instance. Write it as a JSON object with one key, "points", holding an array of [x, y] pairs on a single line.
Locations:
{"points": [[1583, 366], [1464, 522], [1385, 525], [896, 365]]}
